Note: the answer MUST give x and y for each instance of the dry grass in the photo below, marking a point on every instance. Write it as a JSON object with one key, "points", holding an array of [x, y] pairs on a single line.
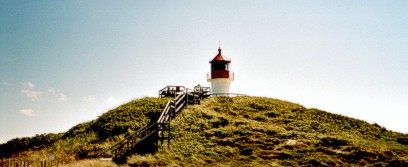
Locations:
{"points": [[90, 163]]}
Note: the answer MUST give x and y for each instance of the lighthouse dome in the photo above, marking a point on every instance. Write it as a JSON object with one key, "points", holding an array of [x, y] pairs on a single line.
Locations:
{"points": [[220, 57]]}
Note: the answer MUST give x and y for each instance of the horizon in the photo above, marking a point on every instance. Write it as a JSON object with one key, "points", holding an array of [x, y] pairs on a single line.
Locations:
{"points": [[67, 62]]}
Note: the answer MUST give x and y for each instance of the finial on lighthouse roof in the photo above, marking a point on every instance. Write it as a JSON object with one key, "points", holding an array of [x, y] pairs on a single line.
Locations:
{"points": [[219, 57], [219, 46]]}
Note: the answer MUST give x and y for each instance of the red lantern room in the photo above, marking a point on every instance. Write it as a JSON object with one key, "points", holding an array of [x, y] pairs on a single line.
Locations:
{"points": [[220, 67]]}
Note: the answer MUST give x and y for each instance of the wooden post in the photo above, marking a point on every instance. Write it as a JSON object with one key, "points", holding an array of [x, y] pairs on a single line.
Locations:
{"points": [[186, 97], [168, 138]]}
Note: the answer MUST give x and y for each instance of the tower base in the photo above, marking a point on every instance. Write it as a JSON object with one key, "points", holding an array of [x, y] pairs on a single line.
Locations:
{"points": [[220, 86]]}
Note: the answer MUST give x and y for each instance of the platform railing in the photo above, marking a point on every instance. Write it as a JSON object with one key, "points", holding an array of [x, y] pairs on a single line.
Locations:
{"points": [[228, 94]]}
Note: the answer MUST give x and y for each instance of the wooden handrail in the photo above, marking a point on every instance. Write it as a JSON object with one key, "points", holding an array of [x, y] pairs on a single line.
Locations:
{"points": [[181, 98], [125, 141], [130, 145], [164, 112], [180, 107]]}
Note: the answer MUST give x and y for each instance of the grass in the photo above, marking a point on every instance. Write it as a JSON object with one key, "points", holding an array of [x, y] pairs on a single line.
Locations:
{"points": [[239, 131], [90, 163], [257, 131], [86, 138]]}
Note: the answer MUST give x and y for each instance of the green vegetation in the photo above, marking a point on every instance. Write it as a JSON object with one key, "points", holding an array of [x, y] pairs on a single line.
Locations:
{"points": [[257, 131], [87, 138], [224, 131]]}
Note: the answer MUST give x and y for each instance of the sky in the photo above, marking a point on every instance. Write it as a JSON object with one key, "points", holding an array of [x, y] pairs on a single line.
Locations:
{"points": [[69, 61]]}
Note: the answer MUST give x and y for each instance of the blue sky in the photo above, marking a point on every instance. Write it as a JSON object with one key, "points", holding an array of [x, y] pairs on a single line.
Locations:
{"points": [[66, 62]]}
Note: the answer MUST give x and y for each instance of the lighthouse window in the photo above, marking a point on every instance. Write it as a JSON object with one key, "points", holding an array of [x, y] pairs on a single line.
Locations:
{"points": [[219, 66]]}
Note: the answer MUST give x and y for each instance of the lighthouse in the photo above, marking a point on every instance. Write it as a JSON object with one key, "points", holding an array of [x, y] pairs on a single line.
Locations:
{"points": [[220, 75]]}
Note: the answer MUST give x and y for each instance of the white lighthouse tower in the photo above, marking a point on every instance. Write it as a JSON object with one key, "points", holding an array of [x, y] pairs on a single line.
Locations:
{"points": [[220, 75]]}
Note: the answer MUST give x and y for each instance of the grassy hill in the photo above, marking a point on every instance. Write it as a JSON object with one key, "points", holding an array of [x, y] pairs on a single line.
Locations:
{"points": [[89, 137], [224, 131]]}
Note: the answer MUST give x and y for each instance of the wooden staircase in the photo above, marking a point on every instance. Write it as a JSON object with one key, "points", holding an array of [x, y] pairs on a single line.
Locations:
{"points": [[148, 138]]}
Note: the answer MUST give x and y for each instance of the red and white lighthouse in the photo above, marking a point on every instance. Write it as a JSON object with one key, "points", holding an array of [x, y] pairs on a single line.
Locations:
{"points": [[220, 75]]}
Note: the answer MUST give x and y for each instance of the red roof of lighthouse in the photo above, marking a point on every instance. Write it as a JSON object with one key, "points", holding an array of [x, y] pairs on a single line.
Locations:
{"points": [[220, 57]]}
